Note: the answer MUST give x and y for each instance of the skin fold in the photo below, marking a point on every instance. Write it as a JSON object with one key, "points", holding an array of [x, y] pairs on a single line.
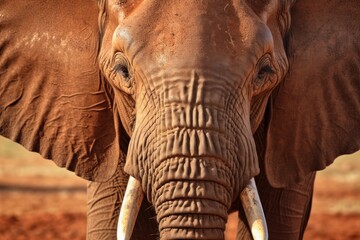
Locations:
{"points": [[192, 98]]}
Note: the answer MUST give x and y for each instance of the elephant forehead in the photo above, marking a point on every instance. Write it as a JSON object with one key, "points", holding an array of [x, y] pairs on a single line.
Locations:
{"points": [[188, 33]]}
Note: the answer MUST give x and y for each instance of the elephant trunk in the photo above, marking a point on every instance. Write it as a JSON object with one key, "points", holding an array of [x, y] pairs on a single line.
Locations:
{"points": [[194, 207], [193, 155], [190, 183], [193, 185], [192, 219]]}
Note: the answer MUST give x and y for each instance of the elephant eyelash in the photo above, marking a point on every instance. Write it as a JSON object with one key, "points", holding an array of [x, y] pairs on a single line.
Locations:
{"points": [[265, 71], [263, 74], [121, 73]]}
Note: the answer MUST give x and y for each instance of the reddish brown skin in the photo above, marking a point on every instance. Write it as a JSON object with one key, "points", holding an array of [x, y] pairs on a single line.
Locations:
{"points": [[171, 92]]}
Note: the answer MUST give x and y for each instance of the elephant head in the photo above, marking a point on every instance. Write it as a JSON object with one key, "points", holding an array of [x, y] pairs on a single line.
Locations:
{"points": [[177, 89]]}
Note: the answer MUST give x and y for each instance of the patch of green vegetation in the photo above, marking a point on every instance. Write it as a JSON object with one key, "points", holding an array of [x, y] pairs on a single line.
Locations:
{"points": [[9, 149]]}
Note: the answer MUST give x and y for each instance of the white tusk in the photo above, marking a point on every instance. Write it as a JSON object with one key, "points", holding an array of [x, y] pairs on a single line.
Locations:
{"points": [[253, 210], [129, 209]]}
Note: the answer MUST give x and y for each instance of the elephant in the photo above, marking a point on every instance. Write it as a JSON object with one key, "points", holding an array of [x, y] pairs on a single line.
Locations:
{"points": [[189, 100]]}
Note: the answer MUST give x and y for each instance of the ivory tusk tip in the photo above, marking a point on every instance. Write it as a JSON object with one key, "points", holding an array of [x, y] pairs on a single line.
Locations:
{"points": [[129, 209], [253, 210], [120, 237], [259, 230]]}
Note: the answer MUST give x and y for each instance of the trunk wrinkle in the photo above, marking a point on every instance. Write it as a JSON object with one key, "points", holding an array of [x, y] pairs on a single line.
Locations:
{"points": [[193, 221], [193, 190], [191, 206], [193, 169]]}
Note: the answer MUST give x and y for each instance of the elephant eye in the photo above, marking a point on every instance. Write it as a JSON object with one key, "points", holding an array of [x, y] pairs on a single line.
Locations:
{"points": [[264, 71], [121, 73]]}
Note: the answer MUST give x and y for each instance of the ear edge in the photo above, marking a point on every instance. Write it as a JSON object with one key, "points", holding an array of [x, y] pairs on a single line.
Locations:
{"points": [[333, 112], [84, 142]]}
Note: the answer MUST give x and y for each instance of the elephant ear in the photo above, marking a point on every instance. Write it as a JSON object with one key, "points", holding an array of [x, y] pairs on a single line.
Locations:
{"points": [[51, 95], [315, 112]]}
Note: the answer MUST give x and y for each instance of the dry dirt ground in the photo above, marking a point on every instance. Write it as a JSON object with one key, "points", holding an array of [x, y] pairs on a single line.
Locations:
{"points": [[40, 201]]}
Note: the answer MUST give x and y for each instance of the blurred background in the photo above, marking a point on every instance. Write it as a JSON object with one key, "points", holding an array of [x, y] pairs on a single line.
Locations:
{"points": [[41, 201]]}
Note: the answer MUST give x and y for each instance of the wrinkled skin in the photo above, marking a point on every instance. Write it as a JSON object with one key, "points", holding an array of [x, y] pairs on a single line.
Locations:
{"points": [[191, 143], [173, 93]]}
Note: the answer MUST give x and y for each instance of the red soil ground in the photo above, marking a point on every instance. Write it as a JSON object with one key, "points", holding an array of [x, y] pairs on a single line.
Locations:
{"points": [[39, 201]]}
